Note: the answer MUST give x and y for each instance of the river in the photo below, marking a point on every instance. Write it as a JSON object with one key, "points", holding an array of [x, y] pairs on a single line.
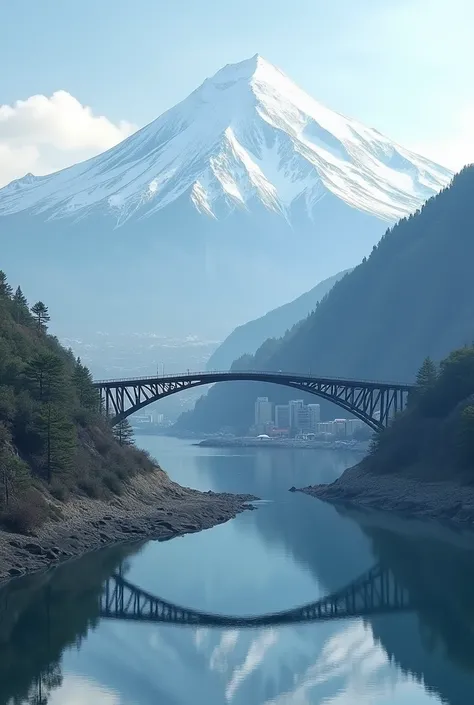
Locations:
{"points": [[292, 550]]}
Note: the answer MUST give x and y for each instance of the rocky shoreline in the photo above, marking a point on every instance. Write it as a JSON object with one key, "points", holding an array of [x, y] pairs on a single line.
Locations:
{"points": [[151, 507], [441, 501]]}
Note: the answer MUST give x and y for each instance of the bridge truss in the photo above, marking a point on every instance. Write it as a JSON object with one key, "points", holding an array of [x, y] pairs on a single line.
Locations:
{"points": [[375, 403], [375, 592]]}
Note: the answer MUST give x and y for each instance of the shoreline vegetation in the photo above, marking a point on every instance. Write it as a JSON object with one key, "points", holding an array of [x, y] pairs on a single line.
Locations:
{"points": [[422, 465], [69, 482]]}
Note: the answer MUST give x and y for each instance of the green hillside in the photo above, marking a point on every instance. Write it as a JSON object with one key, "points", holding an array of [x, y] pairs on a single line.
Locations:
{"points": [[434, 437], [53, 441], [412, 297]]}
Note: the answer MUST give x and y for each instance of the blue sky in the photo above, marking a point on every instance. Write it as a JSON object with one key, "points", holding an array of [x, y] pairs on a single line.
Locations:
{"points": [[402, 66]]}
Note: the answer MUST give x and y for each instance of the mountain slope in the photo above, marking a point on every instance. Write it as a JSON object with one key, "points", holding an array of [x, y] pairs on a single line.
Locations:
{"points": [[248, 163], [53, 441], [247, 338], [248, 132], [413, 297]]}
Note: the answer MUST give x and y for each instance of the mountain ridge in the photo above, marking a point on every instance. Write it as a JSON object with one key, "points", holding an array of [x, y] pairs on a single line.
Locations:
{"points": [[248, 118], [247, 338], [177, 227], [413, 297]]}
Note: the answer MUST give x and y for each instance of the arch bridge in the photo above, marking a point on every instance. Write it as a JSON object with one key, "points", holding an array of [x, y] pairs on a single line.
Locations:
{"points": [[375, 403], [375, 592]]}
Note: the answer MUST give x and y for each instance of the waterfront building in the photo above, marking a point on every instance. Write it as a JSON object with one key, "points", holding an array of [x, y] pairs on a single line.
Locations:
{"points": [[294, 406], [263, 411], [314, 416], [282, 416]]}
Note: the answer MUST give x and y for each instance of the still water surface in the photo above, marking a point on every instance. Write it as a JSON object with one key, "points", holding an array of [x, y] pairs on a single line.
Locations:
{"points": [[55, 648]]}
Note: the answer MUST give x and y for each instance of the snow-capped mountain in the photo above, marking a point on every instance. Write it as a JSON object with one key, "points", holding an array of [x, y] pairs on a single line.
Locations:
{"points": [[248, 164], [247, 133]]}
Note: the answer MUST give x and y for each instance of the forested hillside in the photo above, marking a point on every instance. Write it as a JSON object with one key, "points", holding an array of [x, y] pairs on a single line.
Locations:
{"points": [[246, 339], [53, 441], [413, 297], [434, 437]]}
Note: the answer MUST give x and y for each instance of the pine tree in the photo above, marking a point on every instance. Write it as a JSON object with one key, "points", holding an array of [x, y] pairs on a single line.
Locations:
{"points": [[425, 380], [427, 375], [5, 289], [58, 437], [46, 376], [21, 311], [123, 433], [40, 312], [86, 392]]}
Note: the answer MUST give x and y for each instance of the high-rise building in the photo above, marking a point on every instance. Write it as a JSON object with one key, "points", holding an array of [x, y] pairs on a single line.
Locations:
{"points": [[302, 419], [294, 406], [314, 416], [263, 411], [282, 416]]}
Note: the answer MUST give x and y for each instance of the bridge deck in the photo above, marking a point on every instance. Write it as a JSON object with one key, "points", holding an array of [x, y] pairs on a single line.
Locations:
{"points": [[246, 375]]}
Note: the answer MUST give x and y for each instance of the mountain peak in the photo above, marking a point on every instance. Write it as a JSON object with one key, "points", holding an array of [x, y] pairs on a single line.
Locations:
{"points": [[242, 70], [248, 134]]}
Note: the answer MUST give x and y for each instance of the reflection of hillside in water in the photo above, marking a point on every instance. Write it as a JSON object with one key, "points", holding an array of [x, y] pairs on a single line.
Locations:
{"points": [[42, 615], [154, 663], [435, 644]]}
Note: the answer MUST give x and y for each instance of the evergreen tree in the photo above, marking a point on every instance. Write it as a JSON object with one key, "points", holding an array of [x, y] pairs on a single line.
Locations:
{"points": [[123, 433], [46, 376], [40, 312], [58, 437], [86, 392], [427, 375], [21, 311], [5, 289]]}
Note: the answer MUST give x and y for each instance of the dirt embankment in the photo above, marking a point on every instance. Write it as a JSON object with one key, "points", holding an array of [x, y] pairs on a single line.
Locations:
{"points": [[152, 506], [445, 501]]}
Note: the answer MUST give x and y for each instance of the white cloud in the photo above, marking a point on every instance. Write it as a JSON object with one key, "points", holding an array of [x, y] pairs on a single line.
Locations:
{"points": [[255, 656], [76, 690], [42, 134]]}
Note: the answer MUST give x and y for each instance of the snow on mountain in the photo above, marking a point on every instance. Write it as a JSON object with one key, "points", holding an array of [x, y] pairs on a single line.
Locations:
{"points": [[234, 202], [247, 135]]}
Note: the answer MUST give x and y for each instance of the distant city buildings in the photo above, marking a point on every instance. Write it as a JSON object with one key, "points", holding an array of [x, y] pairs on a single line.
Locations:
{"points": [[295, 407], [297, 419], [263, 413], [282, 416], [154, 418]]}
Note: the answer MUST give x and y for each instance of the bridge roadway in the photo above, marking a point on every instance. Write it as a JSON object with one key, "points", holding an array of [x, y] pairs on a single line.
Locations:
{"points": [[375, 403], [375, 592]]}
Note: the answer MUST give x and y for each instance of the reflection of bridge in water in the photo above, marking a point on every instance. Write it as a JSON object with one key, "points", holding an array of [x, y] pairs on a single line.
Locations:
{"points": [[375, 592]]}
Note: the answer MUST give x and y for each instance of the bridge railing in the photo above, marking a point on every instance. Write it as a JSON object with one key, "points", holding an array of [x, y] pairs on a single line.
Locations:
{"points": [[268, 373]]}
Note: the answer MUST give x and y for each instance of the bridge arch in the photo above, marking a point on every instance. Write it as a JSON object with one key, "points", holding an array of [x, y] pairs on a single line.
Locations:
{"points": [[374, 403], [375, 592]]}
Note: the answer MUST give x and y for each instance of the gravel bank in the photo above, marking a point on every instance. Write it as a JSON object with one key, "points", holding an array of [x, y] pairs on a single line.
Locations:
{"points": [[152, 506], [444, 501]]}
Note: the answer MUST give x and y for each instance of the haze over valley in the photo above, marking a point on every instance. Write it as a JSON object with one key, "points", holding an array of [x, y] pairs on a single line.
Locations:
{"points": [[236, 309], [192, 225]]}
